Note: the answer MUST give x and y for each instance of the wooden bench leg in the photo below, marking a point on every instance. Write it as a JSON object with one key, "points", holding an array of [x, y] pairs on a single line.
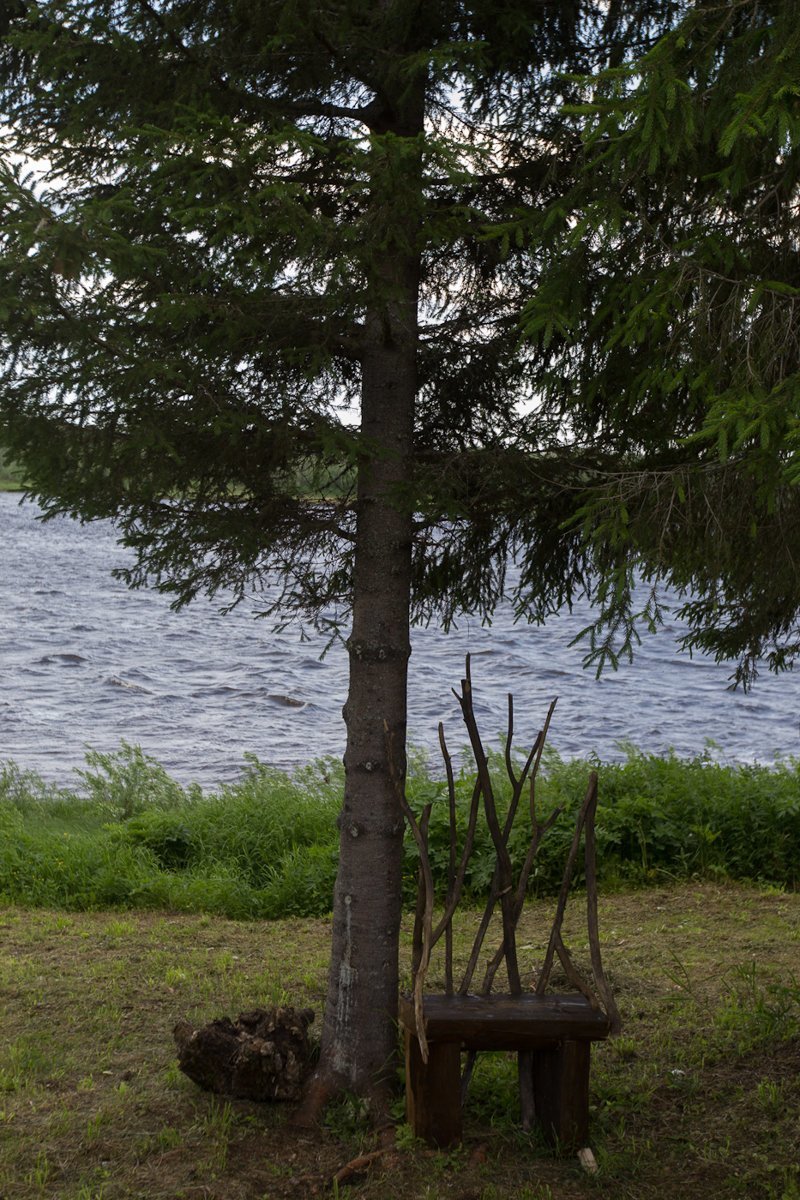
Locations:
{"points": [[527, 1101], [561, 1092], [433, 1091]]}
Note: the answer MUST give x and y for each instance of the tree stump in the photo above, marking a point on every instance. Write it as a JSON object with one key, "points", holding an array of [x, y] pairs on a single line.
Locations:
{"points": [[263, 1055]]}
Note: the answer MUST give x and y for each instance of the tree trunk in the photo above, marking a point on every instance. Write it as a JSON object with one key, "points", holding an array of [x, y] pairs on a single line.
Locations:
{"points": [[359, 1035], [359, 1038]]}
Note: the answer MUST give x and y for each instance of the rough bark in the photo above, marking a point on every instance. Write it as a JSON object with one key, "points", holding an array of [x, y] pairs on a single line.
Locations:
{"points": [[358, 1044], [359, 1039]]}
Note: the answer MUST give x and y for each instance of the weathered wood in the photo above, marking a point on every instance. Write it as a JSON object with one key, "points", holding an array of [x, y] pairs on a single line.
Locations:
{"points": [[551, 1034], [501, 1022], [422, 892], [600, 981], [504, 889], [433, 1094], [555, 933], [527, 1104], [451, 864], [561, 1092]]}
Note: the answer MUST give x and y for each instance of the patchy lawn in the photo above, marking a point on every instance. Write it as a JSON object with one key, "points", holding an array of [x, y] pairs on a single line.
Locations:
{"points": [[699, 1097]]}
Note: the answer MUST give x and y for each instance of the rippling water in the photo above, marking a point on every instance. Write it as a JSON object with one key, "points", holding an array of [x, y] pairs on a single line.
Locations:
{"points": [[85, 663]]}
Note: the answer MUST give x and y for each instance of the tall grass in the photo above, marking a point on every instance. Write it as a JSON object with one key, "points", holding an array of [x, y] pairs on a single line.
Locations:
{"points": [[130, 836]]}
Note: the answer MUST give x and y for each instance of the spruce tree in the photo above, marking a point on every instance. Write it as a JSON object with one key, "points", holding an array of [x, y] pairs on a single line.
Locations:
{"points": [[267, 248]]}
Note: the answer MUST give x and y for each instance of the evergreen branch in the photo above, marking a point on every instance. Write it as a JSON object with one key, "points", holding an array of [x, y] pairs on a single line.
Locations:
{"points": [[364, 113], [305, 108], [178, 44]]}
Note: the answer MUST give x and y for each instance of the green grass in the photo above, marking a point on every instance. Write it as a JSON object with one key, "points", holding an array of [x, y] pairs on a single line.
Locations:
{"points": [[130, 837], [10, 475], [312, 481], [133, 838], [699, 1097], [10, 479]]}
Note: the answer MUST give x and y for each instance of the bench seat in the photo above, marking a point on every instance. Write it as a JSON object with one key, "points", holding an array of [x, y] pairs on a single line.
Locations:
{"points": [[499, 1022]]}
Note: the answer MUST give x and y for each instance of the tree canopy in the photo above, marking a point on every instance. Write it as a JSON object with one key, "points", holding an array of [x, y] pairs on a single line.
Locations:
{"points": [[669, 304], [185, 289]]}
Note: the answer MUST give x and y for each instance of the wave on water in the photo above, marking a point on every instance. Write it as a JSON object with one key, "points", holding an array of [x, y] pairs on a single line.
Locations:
{"points": [[66, 660], [115, 681], [198, 690]]}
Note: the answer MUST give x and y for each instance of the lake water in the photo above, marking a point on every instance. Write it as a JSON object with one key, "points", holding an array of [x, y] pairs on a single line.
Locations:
{"points": [[84, 662]]}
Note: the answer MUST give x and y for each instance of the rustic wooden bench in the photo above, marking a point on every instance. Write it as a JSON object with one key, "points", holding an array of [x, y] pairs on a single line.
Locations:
{"points": [[551, 1033], [556, 1031]]}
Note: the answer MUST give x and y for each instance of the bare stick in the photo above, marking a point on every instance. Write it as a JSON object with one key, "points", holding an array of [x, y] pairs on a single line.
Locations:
{"points": [[527, 1103], [527, 866], [543, 736], [466, 853], [466, 1075], [427, 879], [519, 899], [504, 877], [555, 932], [601, 983], [572, 973], [509, 739], [362, 1163], [531, 762], [451, 863], [479, 936], [419, 912], [538, 832], [491, 969], [516, 790]]}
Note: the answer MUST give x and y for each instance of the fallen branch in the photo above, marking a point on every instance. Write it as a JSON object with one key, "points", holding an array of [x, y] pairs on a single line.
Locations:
{"points": [[361, 1164]]}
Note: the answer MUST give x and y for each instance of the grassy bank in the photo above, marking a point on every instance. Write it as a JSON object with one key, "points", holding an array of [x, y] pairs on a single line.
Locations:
{"points": [[129, 837], [10, 481], [312, 481], [10, 475], [699, 1097]]}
